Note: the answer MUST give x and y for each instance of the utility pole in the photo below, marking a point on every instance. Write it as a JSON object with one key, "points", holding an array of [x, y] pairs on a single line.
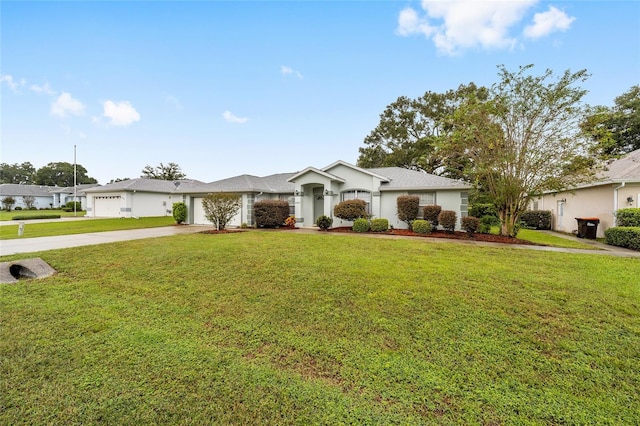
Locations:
{"points": [[75, 182]]}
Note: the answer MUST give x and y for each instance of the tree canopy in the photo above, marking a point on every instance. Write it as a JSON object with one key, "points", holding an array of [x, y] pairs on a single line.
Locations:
{"points": [[615, 130], [524, 139], [411, 131], [62, 174], [17, 173], [170, 171]]}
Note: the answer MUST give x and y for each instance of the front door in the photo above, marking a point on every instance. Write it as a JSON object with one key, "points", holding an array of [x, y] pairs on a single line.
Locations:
{"points": [[318, 203], [560, 216]]}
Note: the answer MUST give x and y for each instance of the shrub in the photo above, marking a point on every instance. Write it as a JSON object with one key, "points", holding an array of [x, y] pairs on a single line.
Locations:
{"points": [[408, 207], [18, 208], [34, 208], [271, 213], [447, 218], [179, 211], [290, 222], [420, 226], [536, 219], [481, 210], [379, 225], [70, 206], [39, 216], [324, 222], [350, 209], [625, 217], [623, 236], [220, 207], [470, 224], [361, 225], [431, 213]]}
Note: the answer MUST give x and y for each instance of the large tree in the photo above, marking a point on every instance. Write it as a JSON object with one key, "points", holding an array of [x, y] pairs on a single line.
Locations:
{"points": [[524, 139], [410, 132], [17, 173], [62, 174], [616, 130], [170, 171]]}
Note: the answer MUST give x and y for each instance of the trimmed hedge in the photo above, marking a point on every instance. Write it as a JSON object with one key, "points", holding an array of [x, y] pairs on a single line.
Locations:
{"points": [[324, 222], [431, 213], [350, 209], [408, 207], [420, 226], [271, 213], [628, 217], [624, 236], [379, 225], [470, 224], [39, 216], [448, 218], [361, 225], [536, 219]]}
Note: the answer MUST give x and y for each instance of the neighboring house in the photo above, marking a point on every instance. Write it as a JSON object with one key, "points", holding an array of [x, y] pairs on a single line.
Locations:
{"points": [[311, 193], [44, 196], [617, 187], [139, 197]]}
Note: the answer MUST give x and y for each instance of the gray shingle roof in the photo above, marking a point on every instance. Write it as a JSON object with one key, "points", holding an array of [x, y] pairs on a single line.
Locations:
{"points": [[624, 169], [25, 190], [144, 185], [245, 183], [406, 179]]}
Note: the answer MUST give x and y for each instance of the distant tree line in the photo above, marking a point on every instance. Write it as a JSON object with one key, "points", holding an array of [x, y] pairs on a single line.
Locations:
{"points": [[53, 174]]}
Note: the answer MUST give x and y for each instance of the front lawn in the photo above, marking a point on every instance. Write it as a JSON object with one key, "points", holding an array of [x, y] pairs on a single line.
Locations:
{"points": [[289, 328], [84, 226]]}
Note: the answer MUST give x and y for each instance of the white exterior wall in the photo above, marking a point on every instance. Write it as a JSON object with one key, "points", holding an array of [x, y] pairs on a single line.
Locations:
{"points": [[448, 200], [148, 204], [40, 202]]}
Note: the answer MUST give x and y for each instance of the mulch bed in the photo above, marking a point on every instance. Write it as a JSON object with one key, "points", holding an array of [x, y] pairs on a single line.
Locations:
{"points": [[222, 231], [443, 234]]}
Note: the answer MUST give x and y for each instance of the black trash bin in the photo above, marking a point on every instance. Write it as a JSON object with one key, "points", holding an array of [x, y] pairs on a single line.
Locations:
{"points": [[587, 227]]}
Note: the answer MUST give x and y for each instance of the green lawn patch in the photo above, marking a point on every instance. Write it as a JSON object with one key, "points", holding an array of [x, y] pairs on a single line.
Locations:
{"points": [[287, 328], [552, 240], [82, 226], [5, 215]]}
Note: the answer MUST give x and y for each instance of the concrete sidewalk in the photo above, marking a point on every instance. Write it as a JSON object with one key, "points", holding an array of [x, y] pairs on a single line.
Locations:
{"points": [[28, 245]]}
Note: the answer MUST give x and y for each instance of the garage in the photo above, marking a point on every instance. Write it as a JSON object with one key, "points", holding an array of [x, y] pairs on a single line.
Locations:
{"points": [[199, 217], [107, 205]]}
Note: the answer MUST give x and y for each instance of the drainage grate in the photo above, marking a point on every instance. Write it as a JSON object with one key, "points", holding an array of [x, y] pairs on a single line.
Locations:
{"points": [[12, 272]]}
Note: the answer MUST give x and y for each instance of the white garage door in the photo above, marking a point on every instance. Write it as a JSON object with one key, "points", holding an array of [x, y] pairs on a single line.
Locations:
{"points": [[200, 219], [107, 206]]}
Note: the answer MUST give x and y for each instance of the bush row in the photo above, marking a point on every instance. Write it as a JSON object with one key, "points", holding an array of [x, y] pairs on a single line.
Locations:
{"points": [[623, 236], [628, 217], [536, 219], [39, 216]]}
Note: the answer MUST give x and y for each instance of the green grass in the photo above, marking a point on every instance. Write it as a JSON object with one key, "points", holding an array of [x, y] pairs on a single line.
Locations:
{"points": [[5, 215], [552, 240], [48, 229], [287, 328]]}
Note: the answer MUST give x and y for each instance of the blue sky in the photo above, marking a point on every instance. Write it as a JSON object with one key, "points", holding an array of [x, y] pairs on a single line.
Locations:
{"points": [[227, 88]]}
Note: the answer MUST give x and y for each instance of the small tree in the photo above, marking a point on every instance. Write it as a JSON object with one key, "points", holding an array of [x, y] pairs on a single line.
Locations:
{"points": [[408, 208], [7, 203], [179, 211], [220, 207], [350, 209], [29, 201]]}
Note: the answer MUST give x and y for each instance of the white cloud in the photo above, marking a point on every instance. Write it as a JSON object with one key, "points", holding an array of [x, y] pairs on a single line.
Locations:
{"points": [[45, 88], [455, 25], [11, 83], [548, 22], [66, 105], [228, 116], [120, 113], [285, 70]]}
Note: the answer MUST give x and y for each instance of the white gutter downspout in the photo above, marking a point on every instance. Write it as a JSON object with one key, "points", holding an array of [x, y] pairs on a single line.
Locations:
{"points": [[615, 196]]}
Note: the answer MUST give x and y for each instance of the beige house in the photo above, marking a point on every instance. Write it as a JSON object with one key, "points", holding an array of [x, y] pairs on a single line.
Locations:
{"points": [[617, 187]]}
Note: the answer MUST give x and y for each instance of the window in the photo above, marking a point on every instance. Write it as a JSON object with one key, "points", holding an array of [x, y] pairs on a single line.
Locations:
{"points": [[358, 195], [426, 199], [535, 205], [464, 204]]}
